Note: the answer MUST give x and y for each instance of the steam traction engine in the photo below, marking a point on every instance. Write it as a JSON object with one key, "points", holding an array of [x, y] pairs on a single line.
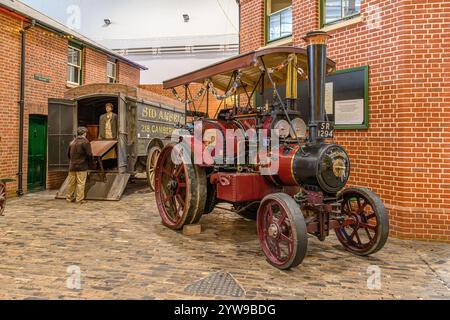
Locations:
{"points": [[305, 195]]}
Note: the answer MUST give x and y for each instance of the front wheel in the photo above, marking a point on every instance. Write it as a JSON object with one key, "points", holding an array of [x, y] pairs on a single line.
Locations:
{"points": [[282, 231], [369, 230]]}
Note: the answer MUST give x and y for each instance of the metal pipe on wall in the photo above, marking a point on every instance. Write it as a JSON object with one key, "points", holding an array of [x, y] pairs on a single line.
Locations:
{"points": [[22, 105]]}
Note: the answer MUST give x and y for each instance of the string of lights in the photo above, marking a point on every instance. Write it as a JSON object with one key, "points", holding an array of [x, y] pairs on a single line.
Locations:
{"points": [[196, 97], [230, 92], [208, 85], [18, 30]]}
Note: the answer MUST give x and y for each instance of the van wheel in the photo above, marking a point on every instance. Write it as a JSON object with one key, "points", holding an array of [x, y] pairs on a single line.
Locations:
{"points": [[152, 159]]}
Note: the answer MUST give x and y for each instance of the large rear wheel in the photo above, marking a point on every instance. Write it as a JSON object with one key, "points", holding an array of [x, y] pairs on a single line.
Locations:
{"points": [[369, 230], [282, 231], [179, 190]]}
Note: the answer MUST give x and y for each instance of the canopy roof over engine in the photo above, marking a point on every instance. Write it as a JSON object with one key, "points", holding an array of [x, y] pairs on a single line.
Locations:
{"points": [[221, 74]]}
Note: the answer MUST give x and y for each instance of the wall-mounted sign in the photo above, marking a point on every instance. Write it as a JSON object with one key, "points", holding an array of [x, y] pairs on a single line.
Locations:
{"points": [[329, 97], [349, 112], [346, 98], [350, 98], [40, 77]]}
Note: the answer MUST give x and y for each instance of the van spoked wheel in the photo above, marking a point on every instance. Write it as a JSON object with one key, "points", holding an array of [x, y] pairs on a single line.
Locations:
{"points": [[178, 193], [282, 231], [152, 159], [2, 198], [368, 226]]}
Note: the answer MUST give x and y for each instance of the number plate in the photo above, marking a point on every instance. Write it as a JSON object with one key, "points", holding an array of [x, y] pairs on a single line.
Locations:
{"points": [[325, 129]]}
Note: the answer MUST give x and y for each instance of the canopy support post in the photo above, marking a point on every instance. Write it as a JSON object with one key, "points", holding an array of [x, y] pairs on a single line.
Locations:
{"points": [[207, 104], [185, 103]]}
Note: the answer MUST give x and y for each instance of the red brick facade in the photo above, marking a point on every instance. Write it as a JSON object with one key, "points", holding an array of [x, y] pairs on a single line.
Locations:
{"points": [[46, 55], [405, 155], [94, 66]]}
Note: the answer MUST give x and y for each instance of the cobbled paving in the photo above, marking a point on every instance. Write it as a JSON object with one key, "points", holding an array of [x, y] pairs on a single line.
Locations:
{"points": [[124, 252]]}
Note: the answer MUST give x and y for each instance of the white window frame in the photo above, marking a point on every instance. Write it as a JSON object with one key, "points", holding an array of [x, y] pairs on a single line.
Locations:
{"points": [[343, 16], [279, 12], [114, 77], [79, 67]]}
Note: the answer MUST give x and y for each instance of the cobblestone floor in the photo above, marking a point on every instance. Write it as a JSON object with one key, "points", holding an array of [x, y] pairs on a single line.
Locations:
{"points": [[124, 252]]}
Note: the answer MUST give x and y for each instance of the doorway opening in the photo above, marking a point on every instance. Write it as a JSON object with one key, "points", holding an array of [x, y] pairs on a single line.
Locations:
{"points": [[89, 112], [37, 153]]}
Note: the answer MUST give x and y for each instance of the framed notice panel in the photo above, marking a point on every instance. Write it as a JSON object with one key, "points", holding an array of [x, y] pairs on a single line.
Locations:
{"points": [[346, 98]]}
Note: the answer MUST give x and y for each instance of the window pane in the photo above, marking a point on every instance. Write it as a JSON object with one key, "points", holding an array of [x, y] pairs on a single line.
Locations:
{"points": [[70, 55], [278, 5], [274, 24], [286, 22], [339, 9], [74, 56], [73, 74], [76, 73], [351, 7], [333, 10], [111, 70], [70, 73]]}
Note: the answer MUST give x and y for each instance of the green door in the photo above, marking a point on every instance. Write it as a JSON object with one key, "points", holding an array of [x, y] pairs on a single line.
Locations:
{"points": [[37, 153]]}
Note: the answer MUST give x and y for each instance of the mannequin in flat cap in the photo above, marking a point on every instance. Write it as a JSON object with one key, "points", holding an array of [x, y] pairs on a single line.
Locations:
{"points": [[80, 155], [108, 129]]}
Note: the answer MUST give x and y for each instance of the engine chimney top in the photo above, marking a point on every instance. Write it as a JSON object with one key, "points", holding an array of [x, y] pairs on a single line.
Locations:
{"points": [[317, 37]]}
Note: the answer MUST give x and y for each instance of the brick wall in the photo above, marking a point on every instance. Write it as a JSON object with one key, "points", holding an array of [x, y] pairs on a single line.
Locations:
{"points": [[252, 24], [9, 88], [405, 155], [94, 66], [128, 74], [46, 55]]}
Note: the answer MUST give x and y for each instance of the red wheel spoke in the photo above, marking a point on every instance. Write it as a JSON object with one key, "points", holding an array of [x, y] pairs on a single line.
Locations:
{"points": [[357, 236], [182, 185], [277, 250], [178, 170], [286, 239], [282, 218], [269, 215], [362, 206], [352, 235], [169, 197], [371, 216], [368, 234], [181, 200], [367, 226]]}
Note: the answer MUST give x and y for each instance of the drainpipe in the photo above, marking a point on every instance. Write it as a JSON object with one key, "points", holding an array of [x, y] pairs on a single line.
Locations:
{"points": [[239, 27], [22, 106]]}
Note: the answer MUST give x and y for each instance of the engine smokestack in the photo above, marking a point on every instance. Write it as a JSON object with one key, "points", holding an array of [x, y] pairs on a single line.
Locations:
{"points": [[317, 64]]}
